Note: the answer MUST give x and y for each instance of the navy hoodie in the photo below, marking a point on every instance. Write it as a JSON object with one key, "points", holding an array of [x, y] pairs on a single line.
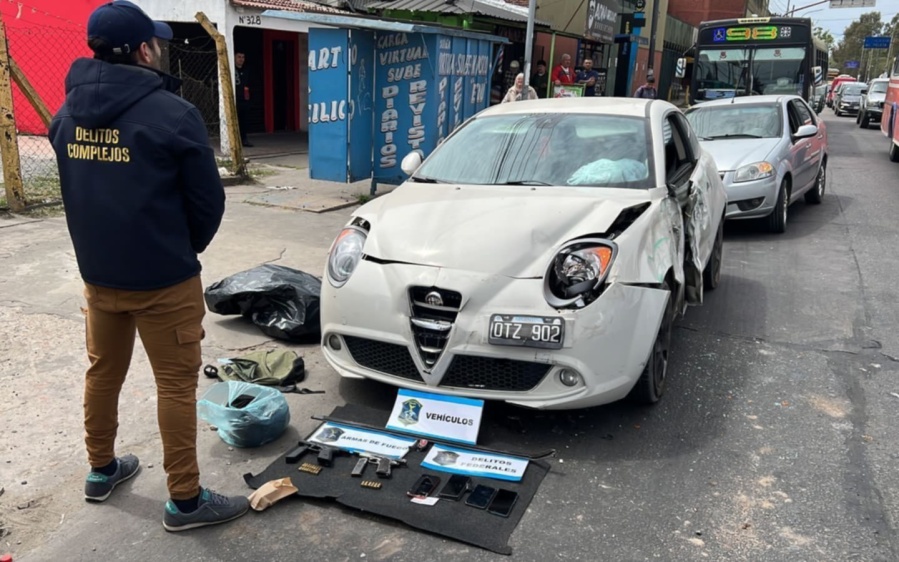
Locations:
{"points": [[140, 184]]}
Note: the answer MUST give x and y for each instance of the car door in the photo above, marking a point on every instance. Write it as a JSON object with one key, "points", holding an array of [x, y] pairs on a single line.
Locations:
{"points": [[811, 147], [801, 150], [687, 178]]}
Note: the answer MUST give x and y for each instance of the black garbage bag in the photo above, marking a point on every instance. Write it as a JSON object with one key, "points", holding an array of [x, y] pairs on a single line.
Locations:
{"points": [[282, 302]]}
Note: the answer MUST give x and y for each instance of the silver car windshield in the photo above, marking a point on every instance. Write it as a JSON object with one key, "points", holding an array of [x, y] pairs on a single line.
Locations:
{"points": [[544, 149], [756, 121], [852, 89], [879, 88]]}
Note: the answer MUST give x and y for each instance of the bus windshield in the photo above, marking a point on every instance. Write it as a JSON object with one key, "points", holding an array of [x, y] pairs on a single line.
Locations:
{"points": [[725, 73]]}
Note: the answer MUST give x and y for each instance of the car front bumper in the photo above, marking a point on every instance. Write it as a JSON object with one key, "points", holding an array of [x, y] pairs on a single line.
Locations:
{"points": [[607, 343], [849, 107], [750, 199]]}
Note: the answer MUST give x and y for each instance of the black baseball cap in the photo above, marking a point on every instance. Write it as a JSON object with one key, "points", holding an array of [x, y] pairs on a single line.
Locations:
{"points": [[124, 26]]}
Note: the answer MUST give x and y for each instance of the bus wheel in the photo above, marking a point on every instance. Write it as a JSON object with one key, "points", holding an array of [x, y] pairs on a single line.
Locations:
{"points": [[894, 151]]}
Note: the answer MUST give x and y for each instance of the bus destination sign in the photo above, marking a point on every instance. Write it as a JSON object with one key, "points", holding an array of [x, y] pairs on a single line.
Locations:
{"points": [[754, 34]]}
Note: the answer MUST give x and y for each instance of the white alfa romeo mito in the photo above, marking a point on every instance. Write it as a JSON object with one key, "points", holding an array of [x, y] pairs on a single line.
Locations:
{"points": [[538, 256]]}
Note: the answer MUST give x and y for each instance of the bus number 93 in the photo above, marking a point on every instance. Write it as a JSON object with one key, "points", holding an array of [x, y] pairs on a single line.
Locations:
{"points": [[762, 33]]}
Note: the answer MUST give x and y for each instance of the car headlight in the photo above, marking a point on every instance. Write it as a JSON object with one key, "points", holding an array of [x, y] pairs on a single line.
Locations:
{"points": [[346, 252], [576, 274], [751, 172]]}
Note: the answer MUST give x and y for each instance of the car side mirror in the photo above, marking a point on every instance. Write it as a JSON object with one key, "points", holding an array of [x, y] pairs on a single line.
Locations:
{"points": [[864, 92], [411, 162], [805, 131]]}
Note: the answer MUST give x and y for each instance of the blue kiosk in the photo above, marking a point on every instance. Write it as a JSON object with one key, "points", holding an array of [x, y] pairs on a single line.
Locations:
{"points": [[380, 89]]}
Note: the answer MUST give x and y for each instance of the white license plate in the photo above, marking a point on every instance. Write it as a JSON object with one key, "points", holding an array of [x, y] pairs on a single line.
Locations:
{"points": [[526, 331]]}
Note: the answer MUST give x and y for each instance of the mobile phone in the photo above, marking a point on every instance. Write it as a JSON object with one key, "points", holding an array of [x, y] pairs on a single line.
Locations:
{"points": [[424, 486], [481, 496], [455, 487], [502, 503]]}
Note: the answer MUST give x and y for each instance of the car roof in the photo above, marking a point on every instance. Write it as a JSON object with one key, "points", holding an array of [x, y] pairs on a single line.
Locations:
{"points": [[746, 100], [628, 107]]}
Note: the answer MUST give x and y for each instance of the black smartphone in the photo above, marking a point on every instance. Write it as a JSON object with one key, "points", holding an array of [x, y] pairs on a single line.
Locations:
{"points": [[502, 503], [455, 487], [481, 496], [424, 486]]}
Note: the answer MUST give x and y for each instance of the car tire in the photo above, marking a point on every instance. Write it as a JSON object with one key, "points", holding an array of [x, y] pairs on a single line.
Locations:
{"points": [[836, 112], [711, 276], [864, 121], [777, 220], [858, 118], [816, 194], [894, 151], [654, 379]]}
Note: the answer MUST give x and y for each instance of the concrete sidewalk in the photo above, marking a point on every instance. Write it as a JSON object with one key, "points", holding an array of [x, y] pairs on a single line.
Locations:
{"points": [[42, 360]]}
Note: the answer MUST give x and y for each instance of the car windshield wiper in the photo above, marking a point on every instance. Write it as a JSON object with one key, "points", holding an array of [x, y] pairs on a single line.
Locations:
{"points": [[522, 182], [733, 136], [422, 179]]}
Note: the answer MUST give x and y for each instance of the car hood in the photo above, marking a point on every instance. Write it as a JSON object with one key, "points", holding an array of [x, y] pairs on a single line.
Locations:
{"points": [[505, 230], [850, 97], [877, 96], [730, 154]]}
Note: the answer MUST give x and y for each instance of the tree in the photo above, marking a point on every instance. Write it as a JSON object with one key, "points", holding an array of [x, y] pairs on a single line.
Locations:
{"points": [[825, 36], [850, 47]]}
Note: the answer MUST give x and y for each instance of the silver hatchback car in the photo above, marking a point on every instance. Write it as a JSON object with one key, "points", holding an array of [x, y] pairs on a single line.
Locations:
{"points": [[770, 151]]}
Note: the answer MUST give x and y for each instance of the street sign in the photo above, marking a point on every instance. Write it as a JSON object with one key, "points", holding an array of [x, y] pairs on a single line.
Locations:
{"points": [[852, 3], [876, 42], [851, 64]]}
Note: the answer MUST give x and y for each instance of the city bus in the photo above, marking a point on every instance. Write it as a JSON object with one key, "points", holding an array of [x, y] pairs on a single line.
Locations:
{"points": [[889, 123], [756, 56]]}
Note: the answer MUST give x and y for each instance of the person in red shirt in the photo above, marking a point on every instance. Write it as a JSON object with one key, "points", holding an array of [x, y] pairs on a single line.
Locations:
{"points": [[563, 74]]}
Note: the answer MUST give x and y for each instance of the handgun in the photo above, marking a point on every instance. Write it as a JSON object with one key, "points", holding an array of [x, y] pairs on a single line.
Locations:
{"points": [[325, 453], [385, 464]]}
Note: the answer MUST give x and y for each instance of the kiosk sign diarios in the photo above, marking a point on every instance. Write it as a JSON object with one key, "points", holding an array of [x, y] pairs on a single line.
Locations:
{"points": [[375, 96], [427, 86]]}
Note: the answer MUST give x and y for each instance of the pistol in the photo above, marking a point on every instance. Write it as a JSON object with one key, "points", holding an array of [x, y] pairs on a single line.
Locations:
{"points": [[325, 453], [385, 464]]}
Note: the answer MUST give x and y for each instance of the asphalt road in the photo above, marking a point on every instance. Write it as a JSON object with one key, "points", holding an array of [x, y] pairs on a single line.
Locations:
{"points": [[775, 441]]}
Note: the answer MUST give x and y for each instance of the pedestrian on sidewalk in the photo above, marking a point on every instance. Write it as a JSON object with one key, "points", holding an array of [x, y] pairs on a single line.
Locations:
{"points": [[143, 198], [520, 91], [648, 89], [243, 94]]}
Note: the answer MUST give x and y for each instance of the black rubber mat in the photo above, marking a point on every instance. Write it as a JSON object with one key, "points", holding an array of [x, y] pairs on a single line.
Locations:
{"points": [[448, 518]]}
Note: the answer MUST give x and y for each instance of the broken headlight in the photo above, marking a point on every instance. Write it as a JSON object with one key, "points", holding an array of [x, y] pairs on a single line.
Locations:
{"points": [[345, 255], [576, 274]]}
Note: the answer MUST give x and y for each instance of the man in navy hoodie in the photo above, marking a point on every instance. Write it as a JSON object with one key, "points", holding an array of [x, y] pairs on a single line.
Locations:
{"points": [[143, 198]]}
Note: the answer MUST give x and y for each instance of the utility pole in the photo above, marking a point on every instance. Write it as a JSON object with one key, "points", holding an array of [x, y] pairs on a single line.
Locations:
{"points": [[529, 42], [652, 37]]}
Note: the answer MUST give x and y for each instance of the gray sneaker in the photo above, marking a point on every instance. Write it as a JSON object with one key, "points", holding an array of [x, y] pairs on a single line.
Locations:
{"points": [[98, 486], [213, 509]]}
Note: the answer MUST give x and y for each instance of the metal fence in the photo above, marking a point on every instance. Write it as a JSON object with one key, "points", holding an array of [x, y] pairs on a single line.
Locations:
{"points": [[44, 55], [195, 62]]}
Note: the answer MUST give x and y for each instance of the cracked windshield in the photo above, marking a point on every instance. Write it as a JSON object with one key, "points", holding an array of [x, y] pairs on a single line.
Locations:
{"points": [[724, 73], [543, 149]]}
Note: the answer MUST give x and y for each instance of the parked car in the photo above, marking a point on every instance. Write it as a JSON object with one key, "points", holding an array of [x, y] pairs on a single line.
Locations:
{"points": [[770, 151], [835, 84], [819, 97], [871, 105], [538, 256], [849, 98]]}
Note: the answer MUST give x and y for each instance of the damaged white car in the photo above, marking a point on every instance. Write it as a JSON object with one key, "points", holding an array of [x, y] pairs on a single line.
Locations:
{"points": [[538, 256]]}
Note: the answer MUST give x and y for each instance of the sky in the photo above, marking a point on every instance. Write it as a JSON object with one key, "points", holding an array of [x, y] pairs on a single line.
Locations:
{"points": [[834, 20]]}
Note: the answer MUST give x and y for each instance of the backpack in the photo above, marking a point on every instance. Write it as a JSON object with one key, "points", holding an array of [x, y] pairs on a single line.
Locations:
{"points": [[273, 367]]}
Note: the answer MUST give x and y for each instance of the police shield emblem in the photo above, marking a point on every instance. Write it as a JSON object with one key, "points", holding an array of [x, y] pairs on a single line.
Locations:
{"points": [[330, 434], [410, 412], [444, 458]]}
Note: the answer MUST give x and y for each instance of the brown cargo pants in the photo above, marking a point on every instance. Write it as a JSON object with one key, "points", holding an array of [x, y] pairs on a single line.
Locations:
{"points": [[170, 324]]}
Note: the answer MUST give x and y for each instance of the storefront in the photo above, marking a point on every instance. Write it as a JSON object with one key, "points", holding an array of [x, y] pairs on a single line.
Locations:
{"points": [[379, 90]]}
